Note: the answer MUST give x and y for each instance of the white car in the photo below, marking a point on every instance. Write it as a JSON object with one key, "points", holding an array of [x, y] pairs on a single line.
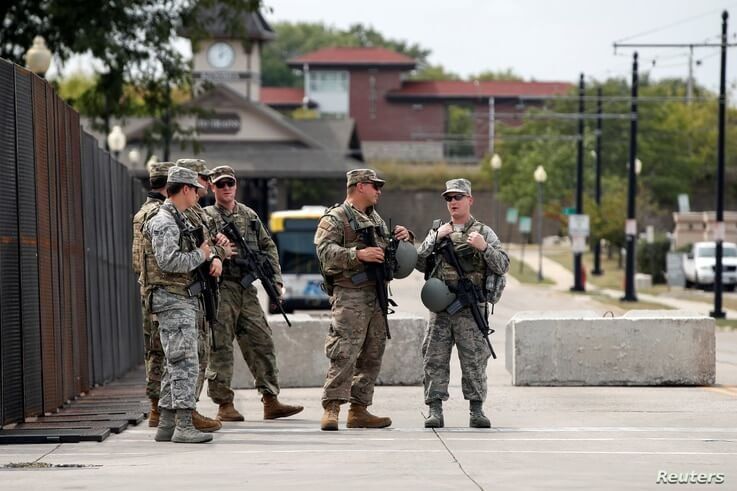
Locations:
{"points": [[700, 263]]}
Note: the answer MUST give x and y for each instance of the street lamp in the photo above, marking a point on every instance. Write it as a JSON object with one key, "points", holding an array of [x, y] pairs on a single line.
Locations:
{"points": [[134, 156], [116, 141], [540, 177], [631, 224], [38, 57], [496, 165]]}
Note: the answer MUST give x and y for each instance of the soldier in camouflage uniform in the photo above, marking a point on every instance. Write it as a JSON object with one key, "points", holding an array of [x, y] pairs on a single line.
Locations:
{"points": [[240, 315], [221, 248], [153, 355], [171, 256], [481, 255], [357, 336]]}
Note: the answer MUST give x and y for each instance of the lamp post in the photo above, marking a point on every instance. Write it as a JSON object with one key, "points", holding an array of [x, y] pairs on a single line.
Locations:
{"points": [[116, 141], [578, 285], [540, 177], [38, 57], [134, 156], [631, 224], [496, 165]]}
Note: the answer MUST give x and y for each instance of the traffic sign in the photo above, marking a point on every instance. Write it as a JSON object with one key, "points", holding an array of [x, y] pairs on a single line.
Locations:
{"points": [[569, 211], [512, 214], [525, 225], [578, 225]]}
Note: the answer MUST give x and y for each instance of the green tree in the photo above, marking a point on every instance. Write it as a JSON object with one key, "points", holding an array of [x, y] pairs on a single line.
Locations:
{"points": [[434, 72], [487, 75]]}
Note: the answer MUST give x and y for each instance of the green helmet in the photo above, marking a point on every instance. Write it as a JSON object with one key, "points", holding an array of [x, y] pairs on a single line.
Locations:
{"points": [[436, 296], [406, 259]]}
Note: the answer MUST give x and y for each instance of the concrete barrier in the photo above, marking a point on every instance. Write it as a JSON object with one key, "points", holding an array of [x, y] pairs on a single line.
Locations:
{"points": [[300, 352], [651, 347]]}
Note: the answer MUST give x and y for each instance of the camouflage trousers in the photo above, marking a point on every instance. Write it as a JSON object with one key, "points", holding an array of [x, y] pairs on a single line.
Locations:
{"points": [[203, 351], [443, 331], [240, 316], [355, 346], [177, 316], [153, 355]]}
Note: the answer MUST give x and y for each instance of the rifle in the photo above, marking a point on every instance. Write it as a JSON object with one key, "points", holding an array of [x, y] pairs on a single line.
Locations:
{"points": [[204, 285], [467, 294], [258, 266], [381, 273]]}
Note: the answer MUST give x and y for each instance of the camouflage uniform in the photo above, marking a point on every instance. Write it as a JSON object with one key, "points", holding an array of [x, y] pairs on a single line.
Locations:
{"points": [[444, 330], [167, 279], [153, 353], [240, 315], [357, 336]]}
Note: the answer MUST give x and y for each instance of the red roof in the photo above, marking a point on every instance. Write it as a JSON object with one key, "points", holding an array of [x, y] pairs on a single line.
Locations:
{"points": [[282, 96], [353, 56], [494, 88]]}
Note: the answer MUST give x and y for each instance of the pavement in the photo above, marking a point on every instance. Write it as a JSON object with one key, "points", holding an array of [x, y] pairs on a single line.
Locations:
{"points": [[559, 438]]}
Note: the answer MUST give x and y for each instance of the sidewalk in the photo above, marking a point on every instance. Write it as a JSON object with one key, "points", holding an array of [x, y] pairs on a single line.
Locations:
{"points": [[563, 279]]}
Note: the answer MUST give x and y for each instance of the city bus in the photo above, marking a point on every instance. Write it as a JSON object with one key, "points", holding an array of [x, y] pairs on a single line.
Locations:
{"points": [[293, 232]]}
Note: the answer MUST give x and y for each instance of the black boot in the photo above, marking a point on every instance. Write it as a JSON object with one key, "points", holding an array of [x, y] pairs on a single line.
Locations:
{"points": [[478, 418], [435, 418]]}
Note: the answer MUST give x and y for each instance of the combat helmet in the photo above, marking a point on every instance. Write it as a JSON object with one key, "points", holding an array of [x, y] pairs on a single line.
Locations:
{"points": [[406, 258], [436, 296]]}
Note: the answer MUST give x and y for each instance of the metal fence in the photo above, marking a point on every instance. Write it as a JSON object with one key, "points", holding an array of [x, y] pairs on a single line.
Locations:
{"points": [[69, 307]]}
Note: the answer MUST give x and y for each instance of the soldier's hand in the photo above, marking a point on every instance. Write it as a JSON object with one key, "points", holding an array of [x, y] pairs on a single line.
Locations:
{"points": [[227, 249], [205, 250], [216, 268], [477, 241], [401, 233], [221, 239], [445, 230], [370, 255]]}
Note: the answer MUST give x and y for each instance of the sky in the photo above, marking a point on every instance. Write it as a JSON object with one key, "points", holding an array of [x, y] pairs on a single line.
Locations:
{"points": [[552, 40]]}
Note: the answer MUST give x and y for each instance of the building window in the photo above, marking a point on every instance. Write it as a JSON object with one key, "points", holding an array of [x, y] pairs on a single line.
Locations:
{"points": [[329, 89], [372, 97]]}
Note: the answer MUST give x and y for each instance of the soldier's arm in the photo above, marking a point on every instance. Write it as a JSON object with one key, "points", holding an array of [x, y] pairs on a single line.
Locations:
{"points": [[424, 251], [496, 258], [165, 243], [267, 245], [333, 257]]}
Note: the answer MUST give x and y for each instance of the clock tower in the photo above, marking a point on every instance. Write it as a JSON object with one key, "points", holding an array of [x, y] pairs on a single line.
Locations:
{"points": [[222, 57]]}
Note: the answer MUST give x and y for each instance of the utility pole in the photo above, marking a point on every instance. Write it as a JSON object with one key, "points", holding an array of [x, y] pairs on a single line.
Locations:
{"points": [[597, 245], [689, 85], [492, 129], [631, 224], [578, 285], [719, 226]]}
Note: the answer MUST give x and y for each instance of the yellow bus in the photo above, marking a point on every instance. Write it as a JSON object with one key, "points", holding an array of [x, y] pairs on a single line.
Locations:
{"points": [[293, 232]]}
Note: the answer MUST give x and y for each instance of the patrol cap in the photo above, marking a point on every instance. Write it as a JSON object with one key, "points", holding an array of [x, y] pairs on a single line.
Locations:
{"points": [[197, 165], [159, 169], [362, 175], [222, 172], [460, 186], [183, 175]]}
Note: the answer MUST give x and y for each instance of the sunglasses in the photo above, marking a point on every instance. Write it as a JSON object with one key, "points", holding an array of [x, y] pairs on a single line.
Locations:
{"points": [[225, 182], [451, 197], [376, 185]]}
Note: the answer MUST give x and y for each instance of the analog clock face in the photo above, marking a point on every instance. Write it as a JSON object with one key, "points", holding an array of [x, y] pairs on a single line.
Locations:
{"points": [[220, 55]]}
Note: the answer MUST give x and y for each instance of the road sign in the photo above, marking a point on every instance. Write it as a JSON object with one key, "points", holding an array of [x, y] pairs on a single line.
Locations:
{"points": [[512, 214], [578, 225], [525, 225], [569, 211]]}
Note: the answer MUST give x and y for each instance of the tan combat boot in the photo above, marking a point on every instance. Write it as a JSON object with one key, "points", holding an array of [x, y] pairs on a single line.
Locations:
{"points": [[153, 415], [274, 409], [329, 421], [359, 417], [205, 424], [227, 412]]}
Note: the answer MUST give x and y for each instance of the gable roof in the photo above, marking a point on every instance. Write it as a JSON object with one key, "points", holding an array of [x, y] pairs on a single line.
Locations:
{"points": [[449, 89], [353, 56]]}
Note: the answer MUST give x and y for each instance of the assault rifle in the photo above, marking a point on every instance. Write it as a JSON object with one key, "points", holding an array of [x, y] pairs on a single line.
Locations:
{"points": [[380, 273], [204, 285], [257, 265], [467, 294]]}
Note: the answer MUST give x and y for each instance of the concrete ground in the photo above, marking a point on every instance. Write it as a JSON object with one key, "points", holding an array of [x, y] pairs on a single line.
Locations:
{"points": [[542, 437]]}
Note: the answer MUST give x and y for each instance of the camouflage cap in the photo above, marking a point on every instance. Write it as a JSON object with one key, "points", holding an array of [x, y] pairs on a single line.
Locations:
{"points": [[222, 172], [183, 175], [197, 165], [460, 186], [159, 169], [362, 175]]}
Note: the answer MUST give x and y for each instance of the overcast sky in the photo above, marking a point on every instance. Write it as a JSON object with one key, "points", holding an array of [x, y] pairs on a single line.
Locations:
{"points": [[541, 39]]}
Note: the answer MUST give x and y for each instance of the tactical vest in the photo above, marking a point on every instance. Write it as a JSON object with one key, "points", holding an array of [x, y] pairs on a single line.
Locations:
{"points": [[149, 208], [471, 259], [242, 218], [153, 277], [353, 236]]}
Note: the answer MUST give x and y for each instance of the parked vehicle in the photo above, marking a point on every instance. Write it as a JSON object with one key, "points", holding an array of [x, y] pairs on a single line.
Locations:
{"points": [[293, 232], [699, 265]]}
